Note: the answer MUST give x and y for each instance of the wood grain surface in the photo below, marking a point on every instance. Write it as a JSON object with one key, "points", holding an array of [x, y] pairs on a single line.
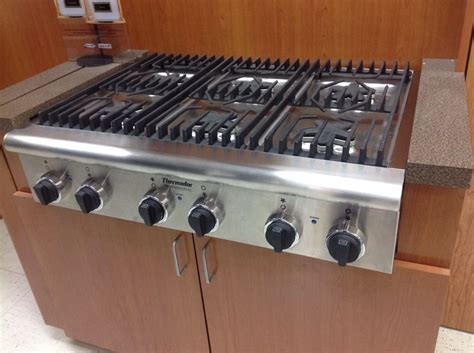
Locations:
{"points": [[30, 39], [259, 301], [113, 283], [13, 220], [368, 29], [466, 37], [16, 170], [460, 302], [429, 224]]}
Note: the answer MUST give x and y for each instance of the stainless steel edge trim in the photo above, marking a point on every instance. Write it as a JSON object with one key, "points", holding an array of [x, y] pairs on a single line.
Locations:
{"points": [[375, 187]]}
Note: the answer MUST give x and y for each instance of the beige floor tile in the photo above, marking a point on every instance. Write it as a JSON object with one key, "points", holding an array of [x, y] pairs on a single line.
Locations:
{"points": [[8, 258], [13, 287], [6, 245], [11, 262], [66, 345], [23, 330]]}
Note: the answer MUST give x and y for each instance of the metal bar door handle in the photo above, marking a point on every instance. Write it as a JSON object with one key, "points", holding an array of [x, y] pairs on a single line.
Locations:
{"points": [[179, 270], [207, 276]]}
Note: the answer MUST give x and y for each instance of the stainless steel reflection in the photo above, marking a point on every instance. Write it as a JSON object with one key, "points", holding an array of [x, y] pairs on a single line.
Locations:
{"points": [[328, 180]]}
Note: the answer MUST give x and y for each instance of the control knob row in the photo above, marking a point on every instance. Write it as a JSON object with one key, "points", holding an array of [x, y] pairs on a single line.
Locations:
{"points": [[345, 242]]}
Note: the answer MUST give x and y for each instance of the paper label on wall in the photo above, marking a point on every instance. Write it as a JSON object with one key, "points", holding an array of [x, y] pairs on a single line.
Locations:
{"points": [[104, 46]]}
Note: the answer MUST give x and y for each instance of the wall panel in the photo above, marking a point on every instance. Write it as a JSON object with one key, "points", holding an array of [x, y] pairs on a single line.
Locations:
{"points": [[370, 29], [30, 39]]}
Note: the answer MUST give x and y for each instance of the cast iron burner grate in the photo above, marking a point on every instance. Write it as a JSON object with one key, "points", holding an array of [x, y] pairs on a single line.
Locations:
{"points": [[349, 113]]}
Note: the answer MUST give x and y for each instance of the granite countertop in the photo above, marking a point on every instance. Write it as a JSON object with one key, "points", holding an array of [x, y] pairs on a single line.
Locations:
{"points": [[440, 146], [20, 102]]}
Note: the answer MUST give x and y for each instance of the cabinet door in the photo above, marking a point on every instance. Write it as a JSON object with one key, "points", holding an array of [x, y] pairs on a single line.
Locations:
{"points": [[113, 283], [260, 301]]}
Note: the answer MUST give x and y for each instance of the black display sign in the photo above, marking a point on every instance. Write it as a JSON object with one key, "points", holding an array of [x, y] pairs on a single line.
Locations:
{"points": [[102, 7], [72, 3]]}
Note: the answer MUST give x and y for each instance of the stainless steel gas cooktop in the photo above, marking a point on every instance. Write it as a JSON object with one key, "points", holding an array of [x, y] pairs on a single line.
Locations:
{"points": [[294, 156]]}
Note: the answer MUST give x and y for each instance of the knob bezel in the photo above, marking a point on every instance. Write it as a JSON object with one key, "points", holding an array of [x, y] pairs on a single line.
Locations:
{"points": [[287, 219], [209, 204], [345, 226], [164, 198], [101, 189], [60, 182]]}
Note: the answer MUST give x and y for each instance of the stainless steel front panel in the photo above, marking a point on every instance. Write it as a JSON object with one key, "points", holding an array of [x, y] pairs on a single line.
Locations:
{"points": [[249, 186]]}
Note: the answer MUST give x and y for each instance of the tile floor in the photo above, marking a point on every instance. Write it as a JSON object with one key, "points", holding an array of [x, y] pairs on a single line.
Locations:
{"points": [[22, 329]]}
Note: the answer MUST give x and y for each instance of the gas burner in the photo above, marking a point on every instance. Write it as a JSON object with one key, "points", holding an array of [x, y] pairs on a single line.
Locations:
{"points": [[313, 134], [198, 124], [240, 89], [159, 75], [214, 124], [343, 96], [334, 133]]}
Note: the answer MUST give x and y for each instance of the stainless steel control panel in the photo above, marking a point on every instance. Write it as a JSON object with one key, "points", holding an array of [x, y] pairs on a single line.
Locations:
{"points": [[244, 190]]}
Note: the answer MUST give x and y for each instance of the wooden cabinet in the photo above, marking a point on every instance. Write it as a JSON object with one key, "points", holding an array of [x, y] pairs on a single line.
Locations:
{"points": [[113, 283], [259, 301]]}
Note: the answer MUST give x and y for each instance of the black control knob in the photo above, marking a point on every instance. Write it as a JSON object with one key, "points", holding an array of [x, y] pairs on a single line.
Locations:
{"points": [[202, 220], [46, 191], [151, 211], [344, 247], [88, 199], [280, 235]]}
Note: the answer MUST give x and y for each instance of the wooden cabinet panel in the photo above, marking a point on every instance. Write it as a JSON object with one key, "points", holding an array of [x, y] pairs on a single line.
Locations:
{"points": [[30, 39], [460, 301], [259, 301], [466, 35], [12, 217], [113, 283], [369, 29], [428, 224], [16, 171]]}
